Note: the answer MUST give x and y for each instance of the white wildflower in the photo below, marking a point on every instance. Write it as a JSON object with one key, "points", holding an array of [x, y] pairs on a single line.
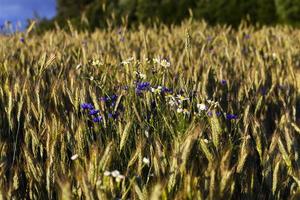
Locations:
{"points": [[107, 173], [97, 63], [182, 98], [179, 110], [146, 161], [115, 173], [172, 103], [162, 62], [74, 157], [127, 61], [213, 103], [201, 107], [147, 133], [120, 177], [165, 63], [156, 90], [140, 75]]}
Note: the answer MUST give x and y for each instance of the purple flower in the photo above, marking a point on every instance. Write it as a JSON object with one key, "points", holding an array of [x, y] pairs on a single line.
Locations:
{"points": [[22, 40], [114, 97], [231, 116], [142, 86], [104, 99], [247, 36], [94, 112], [209, 113], [112, 104], [223, 82], [87, 106], [166, 90], [111, 98], [97, 119], [218, 114]]}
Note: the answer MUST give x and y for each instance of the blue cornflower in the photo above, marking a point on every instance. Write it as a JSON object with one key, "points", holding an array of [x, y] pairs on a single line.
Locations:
{"points": [[94, 112], [143, 86], [223, 82], [114, 97], [87, 106], [231, 116], [97, 119], [166, 90], [104, 99], [112, 104], [111, 98], [22, 40]]}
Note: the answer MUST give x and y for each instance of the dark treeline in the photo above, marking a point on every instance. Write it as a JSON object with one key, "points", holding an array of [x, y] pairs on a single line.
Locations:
{"points": [[101, 13]]}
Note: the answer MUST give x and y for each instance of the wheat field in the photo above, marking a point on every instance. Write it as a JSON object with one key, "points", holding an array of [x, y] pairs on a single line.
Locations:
{"points": [[179, 112]]}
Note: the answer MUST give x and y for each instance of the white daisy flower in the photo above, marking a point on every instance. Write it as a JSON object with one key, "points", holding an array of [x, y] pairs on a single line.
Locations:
{"points": [[115, 173], [74, 157], [140, 75], [107, 173], [146, 161], [201, 107], [156, 90], [97, 63], [127, 61], [182, 98], [213, 103], [179, 110], [172, 102], [162, 62]]}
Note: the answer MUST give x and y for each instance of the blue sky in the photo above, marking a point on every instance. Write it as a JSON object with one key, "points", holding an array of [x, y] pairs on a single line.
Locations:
{"points": [[20, 10]]}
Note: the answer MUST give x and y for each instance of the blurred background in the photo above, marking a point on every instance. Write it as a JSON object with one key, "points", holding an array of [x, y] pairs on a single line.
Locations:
{"points": [[90, 14], [17, 12]]}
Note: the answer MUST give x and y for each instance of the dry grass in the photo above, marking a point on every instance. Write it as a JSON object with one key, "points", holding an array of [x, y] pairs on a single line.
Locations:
{"points": [[44, 81]]}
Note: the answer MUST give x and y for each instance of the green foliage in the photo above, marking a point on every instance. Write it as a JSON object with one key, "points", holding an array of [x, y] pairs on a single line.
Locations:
{"points": [[266, 11], [130, 12], [231, 11], [288, 10]]}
